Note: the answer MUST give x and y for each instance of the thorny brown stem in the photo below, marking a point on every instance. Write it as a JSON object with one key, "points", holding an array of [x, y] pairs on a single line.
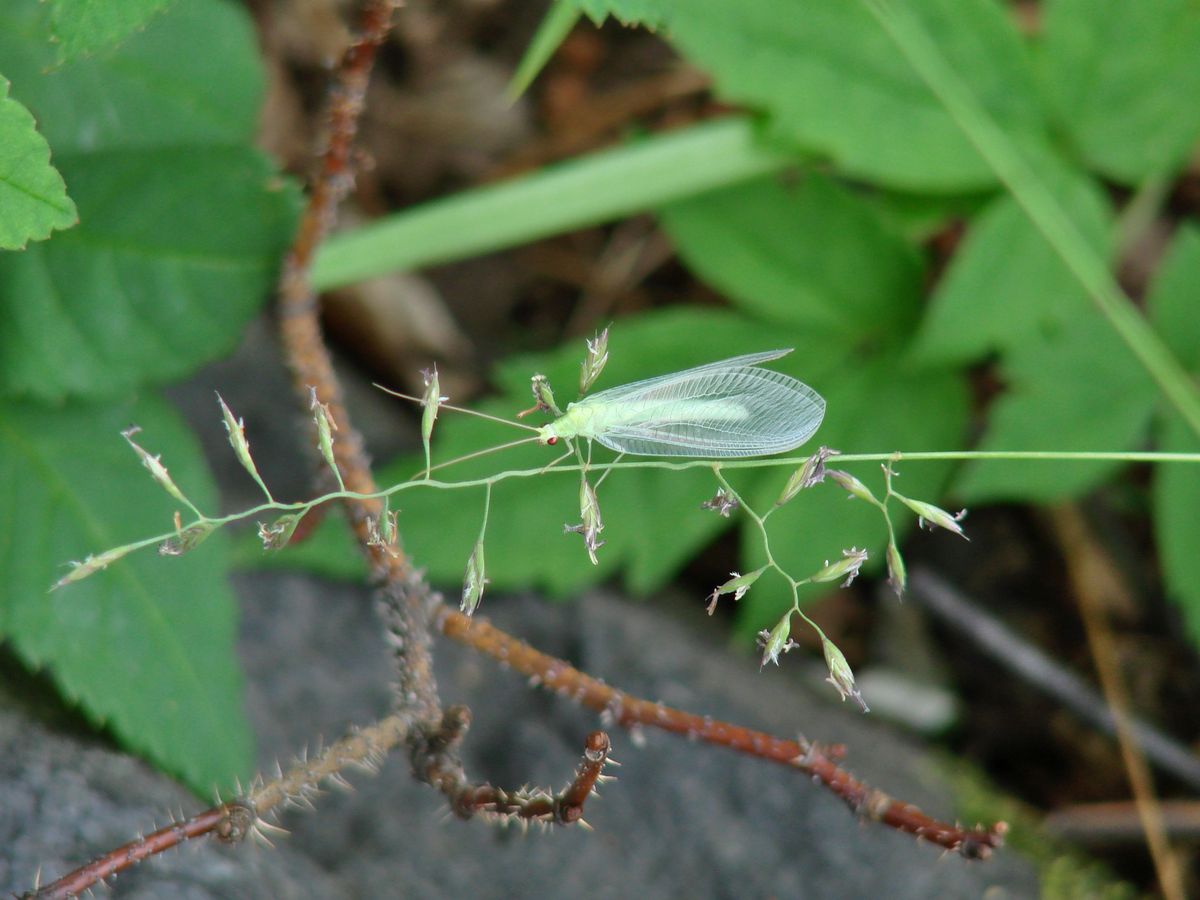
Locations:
{"points": [[211, 821], [439, 767], [365, 748], [234, 820], [404, 597], [631, 712]]}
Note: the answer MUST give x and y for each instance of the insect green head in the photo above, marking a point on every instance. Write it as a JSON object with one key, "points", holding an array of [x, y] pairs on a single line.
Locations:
{"points": [[547, 435]]}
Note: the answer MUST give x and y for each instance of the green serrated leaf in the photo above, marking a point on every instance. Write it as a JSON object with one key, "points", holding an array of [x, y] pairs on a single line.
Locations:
{"points": [[182, 225], [1122, 78], [876, 405], [158, 90], [177, 251], [1174, 303], [647, 13], [33, 196], [831, 81], [1074, 388], [87, 26], [796, 256], [146, 646], [1176, 525], [1006, 283]]}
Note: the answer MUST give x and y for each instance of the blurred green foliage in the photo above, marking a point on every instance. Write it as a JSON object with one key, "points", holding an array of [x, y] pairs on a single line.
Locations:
{"points": [[150, 119]]}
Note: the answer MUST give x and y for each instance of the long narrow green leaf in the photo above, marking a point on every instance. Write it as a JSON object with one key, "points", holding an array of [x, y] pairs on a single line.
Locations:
{"points": [[1039, 204], [560, 18], [598, 188]]}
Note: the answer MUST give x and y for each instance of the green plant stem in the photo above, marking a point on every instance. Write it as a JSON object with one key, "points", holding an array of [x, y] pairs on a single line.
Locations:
{"points": [[611, 184], [487, 509], [761, 524], [303, 507], [1089, 269]]}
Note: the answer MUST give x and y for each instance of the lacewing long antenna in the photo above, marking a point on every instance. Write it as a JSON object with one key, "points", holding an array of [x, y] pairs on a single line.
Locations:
{"points": [[461, 409]]}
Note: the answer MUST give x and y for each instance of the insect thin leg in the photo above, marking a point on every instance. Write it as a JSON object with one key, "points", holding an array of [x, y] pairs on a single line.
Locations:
{"points": [[620, 456], [583, 466], [550, 465]]}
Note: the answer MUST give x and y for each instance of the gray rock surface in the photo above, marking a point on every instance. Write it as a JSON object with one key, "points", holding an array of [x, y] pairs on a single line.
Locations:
{"points": [[681, 819]]}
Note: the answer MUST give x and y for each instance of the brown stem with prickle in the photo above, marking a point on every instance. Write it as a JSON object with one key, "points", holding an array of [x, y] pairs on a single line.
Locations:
{"points": [[630, 712]]}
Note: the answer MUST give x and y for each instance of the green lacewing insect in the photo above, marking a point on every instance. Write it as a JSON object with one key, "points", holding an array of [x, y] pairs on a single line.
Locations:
{"points": [[724, 409]]}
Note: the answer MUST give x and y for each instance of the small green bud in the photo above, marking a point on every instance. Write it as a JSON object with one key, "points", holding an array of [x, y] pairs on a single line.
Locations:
{"points": [[431, 401], [841, 676], [236, 429], [847, 567], [389, 530], [897, 573], [594, 361], [473, 580], [382, 533], [935, 515], [92, 565], [592, 524], [276, 535], [544, 395], [737, 585], [325, 429], [157, 469], [852, 485], [812, 472], [776, 641]]}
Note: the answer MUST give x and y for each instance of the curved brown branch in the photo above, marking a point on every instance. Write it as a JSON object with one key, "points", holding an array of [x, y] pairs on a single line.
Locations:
{"points": [[437, 763], [629, 711]]}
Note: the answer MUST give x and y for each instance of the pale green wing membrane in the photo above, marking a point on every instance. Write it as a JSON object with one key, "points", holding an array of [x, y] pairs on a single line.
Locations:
{"points": [[724, 409]]}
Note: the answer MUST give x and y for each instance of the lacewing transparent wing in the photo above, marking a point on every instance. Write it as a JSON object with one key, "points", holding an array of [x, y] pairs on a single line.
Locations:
{"points": [[723, 409]]}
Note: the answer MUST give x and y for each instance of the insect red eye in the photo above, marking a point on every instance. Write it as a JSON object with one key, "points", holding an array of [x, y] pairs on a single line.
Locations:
{"points": [[551, 441]]}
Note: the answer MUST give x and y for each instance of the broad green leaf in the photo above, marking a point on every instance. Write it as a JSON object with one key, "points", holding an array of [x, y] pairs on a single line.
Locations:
{"points": [[1174, 300], [877, 405], [33, 197], [182, 223], [924, 217], [830, 80], [1123, 79], [147, 646], [1006, 284], [1176, 525], [815, 256], [1072, 388], [88, 26], [160, 88], [177, 251]]}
